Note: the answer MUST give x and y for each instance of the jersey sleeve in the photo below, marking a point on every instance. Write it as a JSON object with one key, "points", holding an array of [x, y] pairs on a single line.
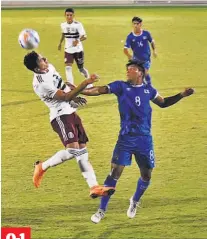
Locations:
{"points": [[128, 42], [115, 88], [149, 37], [153, 93], [48, 90], [81, 30]]}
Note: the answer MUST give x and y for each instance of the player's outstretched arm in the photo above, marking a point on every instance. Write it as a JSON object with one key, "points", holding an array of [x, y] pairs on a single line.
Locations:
{"points": [[61, 95], [168, 101], [95, 91]]}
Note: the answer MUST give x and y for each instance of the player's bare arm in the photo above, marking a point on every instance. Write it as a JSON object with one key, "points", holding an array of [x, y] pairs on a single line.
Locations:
{"points": [[83, 38], [126, 52], [154, 48], [168, 101], [61, 40], [95, 91], [61, 95]]}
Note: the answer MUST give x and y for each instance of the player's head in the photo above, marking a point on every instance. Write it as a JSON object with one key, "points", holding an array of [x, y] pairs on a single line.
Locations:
{"points": [[35, 62], [135, 72], [136, 23], [69, 14]]}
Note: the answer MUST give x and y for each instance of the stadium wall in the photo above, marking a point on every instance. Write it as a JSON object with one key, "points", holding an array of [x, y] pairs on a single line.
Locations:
{"points": [[88, 3]]}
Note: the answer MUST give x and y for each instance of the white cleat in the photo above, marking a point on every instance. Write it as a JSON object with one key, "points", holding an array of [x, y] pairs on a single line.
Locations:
{"points": [[96, 218], [131, 212]]}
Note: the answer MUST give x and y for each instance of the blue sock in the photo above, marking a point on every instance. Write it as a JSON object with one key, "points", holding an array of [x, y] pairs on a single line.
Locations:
{"points": [[148, 79], [141, 188], [109, 182]]}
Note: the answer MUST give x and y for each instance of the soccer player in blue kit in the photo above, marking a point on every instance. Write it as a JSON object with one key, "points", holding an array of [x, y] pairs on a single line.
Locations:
{"points": [[135, 135], [138, 40]]}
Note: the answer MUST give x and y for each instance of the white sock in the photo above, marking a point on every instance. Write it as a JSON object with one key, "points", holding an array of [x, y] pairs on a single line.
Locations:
{"points": [[86, 168], [69, 74], [60, 157]]}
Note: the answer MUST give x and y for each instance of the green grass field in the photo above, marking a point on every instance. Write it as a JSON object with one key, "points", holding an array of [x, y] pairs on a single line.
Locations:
{"points": [[175, 204]]}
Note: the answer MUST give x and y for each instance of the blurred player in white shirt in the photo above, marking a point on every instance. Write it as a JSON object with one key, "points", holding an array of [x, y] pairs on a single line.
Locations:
{"points": [[51, 89], [73, 33]]}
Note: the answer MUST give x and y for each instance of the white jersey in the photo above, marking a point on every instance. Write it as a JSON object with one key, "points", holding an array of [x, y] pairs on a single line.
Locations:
{"points": [[46, 85], [72, 31]]}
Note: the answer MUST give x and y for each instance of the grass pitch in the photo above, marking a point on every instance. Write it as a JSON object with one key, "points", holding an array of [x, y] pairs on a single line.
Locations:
{"points": [[175, 204]]}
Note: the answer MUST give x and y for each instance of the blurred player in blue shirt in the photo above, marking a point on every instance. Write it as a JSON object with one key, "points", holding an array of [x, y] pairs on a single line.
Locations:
{"points": [[138, 40], [135, 134]]}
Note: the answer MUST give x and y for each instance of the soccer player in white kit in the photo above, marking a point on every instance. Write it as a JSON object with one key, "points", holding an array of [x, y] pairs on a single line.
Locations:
{"points": [[51, 89], [73, 33]]}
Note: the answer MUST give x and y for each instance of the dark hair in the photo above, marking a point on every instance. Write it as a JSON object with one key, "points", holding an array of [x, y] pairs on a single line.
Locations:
{"points": [[136, 19], [69, 10], [137, 64], [30, 60]]}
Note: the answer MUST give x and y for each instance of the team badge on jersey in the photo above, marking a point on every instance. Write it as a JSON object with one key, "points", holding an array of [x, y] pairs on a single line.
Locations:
{"points": [[70, 135], [146, 91]]}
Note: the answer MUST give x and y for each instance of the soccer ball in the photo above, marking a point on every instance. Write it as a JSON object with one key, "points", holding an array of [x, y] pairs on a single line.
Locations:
{"points": [[29, 39]]}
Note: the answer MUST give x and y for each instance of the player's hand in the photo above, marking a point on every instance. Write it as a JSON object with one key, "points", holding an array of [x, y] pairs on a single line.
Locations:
{"points": [[154, 54], [75, 43], [187, 92], [78, 101], [93, 78], [59, 47]]}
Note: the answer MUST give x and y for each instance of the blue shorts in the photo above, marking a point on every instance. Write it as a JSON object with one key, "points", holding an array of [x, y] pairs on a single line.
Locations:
{"points": [[146, 64], [139, 146]]}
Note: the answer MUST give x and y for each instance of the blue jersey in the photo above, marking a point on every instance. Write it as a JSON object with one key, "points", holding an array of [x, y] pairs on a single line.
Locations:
{"points": [[134, 106], [139, 45]]}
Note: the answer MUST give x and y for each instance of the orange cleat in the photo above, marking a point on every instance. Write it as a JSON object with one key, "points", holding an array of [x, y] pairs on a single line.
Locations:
{"points": [[98, 191], [38, 174]]}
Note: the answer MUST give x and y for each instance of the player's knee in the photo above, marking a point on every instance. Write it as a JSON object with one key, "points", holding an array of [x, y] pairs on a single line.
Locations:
{"points": [[146, 177], [116, 173], [115, 176], [78, 153], [146, 174], [68, 64], [64, 155]]}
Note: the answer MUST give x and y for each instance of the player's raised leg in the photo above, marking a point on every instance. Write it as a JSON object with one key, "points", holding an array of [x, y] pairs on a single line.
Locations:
{"points": [[41, 167]]}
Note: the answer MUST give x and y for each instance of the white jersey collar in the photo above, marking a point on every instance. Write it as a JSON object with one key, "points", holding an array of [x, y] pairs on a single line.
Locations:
{"points": [[137, 35]]}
